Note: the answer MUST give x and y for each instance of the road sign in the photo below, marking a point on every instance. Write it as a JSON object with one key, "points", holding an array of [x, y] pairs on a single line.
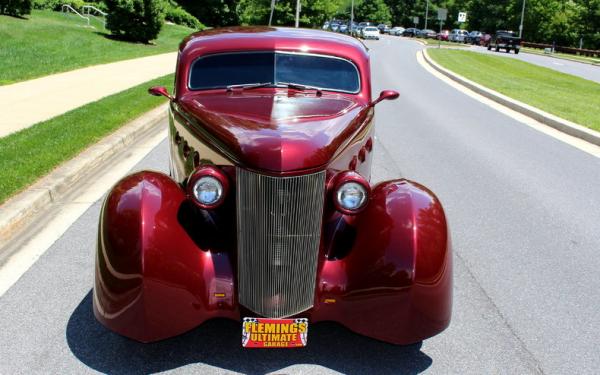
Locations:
{"points": [[442, 14], [462, 17], [415, 20]]}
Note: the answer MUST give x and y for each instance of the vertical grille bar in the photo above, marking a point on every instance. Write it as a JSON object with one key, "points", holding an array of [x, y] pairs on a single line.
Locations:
{"points": [[279, 228]]}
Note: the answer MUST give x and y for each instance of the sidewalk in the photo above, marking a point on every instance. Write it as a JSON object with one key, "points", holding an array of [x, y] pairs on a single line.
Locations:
{"points": [[26, 103]]}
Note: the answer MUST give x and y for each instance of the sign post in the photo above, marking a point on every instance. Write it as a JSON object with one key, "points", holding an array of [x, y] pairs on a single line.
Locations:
{"points": [[441, 16], [416, 21], [272, 10]]}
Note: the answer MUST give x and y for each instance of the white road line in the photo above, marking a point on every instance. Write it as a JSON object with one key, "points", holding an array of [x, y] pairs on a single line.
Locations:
{"points": [[565, 138], [70, 211]]}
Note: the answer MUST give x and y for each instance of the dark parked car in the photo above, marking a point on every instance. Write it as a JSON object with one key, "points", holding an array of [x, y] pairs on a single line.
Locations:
{"points": [[474, 37], [411, 32], [267, 216], [427, 34], [506, 40], [383, 28]]}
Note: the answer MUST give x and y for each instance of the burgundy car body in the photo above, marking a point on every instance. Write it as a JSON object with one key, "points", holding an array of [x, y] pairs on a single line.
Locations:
{"points": [[165, 265]]}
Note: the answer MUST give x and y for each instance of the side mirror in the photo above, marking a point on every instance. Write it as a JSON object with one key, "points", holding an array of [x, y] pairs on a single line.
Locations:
{"points": [[386, 95], [160, 91]]}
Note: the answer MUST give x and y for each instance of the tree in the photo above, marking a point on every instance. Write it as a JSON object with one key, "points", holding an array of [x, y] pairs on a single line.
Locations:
{"points": [[135, 20], [214, 12], [375, 11], [313, 12], [16, 7]]}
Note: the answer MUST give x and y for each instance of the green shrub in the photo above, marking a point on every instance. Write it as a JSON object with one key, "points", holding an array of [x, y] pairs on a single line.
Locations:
{"points": [[135, 20], [16, 7], [57, 4], [176, 14]]}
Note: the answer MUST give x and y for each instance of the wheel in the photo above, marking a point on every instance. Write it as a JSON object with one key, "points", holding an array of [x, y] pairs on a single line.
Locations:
{"points": [[516, 52], [508, 50], [489, 47], [497, 49]]}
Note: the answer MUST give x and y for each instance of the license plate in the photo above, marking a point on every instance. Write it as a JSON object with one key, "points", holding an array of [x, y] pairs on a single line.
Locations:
{"points": [[274, 333]]}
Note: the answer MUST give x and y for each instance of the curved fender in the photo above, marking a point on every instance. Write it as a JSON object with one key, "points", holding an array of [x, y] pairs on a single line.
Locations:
{"points": [[152, 281], [395, 283]]}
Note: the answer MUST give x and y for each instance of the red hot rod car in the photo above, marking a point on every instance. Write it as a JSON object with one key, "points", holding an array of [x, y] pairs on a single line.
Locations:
{"points": [[268, 216]]}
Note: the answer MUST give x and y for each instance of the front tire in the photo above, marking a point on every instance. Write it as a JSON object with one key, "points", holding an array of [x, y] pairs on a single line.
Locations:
{"points": [[489, 47]]}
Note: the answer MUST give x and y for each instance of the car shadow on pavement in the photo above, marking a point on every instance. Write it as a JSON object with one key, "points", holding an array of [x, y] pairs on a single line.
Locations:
{"points": [[218, 343]]}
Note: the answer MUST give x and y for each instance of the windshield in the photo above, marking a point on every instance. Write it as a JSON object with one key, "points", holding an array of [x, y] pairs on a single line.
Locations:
{"points": [[371, 29], [222, 70]]}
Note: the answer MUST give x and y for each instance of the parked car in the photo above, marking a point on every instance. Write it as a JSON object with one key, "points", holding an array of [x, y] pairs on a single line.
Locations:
{"points": [[335, 27], [411, 32], [326, 25], [443, 35], [485, 39], [382, 28], [370, 32], [506, 40], [473, 37], [343, 28], [427, 34], [267, 216], [458, 35], [397, 30]]}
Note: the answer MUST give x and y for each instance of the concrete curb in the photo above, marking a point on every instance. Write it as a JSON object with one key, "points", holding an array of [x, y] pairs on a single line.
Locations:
{"points": [[20, 210], [546, 118]]}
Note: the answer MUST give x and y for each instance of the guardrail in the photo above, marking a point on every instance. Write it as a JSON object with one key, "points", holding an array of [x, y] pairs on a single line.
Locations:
{"points": [[88, 10], [570, 50]]}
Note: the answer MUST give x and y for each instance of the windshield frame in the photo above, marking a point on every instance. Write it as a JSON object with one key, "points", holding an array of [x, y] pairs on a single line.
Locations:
{"points": [[358, 75]]}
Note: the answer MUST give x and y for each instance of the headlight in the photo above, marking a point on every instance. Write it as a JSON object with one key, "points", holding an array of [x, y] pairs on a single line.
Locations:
{"points": [[208, 190], [207, 187], [351, 196], [350, 192]]}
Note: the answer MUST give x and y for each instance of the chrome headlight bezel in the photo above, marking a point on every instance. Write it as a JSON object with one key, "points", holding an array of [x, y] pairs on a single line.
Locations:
{"points": [[210, 178]]}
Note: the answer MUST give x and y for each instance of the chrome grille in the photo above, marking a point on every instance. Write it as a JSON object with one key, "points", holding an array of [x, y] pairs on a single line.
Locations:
{"points": [[279, 228]]}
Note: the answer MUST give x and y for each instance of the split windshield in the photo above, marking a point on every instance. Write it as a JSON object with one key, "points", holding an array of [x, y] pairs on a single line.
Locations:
{"points": [[222, 70]]}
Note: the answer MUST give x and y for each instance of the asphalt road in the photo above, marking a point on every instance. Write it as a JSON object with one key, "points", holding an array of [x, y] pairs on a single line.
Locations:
{"points": [[583, 70], [524, 212]]}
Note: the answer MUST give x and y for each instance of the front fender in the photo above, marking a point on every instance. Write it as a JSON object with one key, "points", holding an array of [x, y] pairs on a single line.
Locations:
{"points": [[395, 282], [151, 276]]}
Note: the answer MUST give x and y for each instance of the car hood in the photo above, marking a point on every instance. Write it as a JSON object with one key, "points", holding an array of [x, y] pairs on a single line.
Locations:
{"points": [[277, 131]]}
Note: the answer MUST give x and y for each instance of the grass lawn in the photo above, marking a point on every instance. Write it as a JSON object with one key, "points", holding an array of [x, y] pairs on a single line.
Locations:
{"points": [[570, 97], [435, 42], [27, 155], [52, 42], [592, 60]]}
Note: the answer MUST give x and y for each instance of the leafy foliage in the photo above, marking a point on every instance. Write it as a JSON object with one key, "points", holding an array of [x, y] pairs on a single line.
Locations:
{"points": [[176, 14], [15, 7], [313, 12], [213, 12], [135, 20]]}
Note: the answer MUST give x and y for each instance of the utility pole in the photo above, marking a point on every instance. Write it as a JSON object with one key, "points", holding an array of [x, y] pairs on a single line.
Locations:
{"points": [[522, 16], [351, 16], [272, 10], [426, 14], [297, 13]]}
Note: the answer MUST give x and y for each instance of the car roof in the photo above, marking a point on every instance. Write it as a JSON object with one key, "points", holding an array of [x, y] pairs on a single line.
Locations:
{"points": [[269, 38]]}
